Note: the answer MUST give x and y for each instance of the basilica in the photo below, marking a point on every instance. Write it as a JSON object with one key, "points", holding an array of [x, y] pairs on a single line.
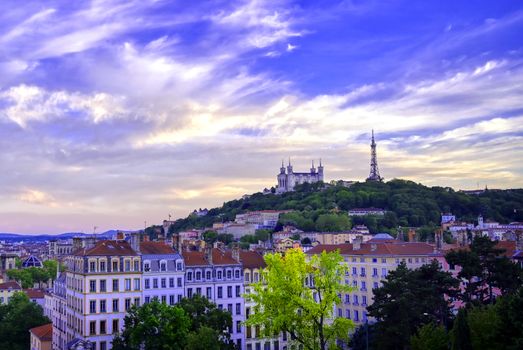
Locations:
{"points": [[287, 180]]}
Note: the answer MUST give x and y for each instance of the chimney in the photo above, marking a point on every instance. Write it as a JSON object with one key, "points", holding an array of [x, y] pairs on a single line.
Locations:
{"points": [[77, 243], [236, 252], [356, 243], [373, 247], [208, 254], [120, 236], [135, 241]]}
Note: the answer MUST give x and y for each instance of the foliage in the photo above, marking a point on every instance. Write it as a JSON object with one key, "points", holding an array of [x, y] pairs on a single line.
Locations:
{"points": [[29, 276], [194, 323], [364, 338], [408, 204], [332, 223], [484, 268], [297, 295], [153, 326], [460, 334], [210, 236], [260, 235], [16, 318], [430, 336], [483, 325], [408, 299]]}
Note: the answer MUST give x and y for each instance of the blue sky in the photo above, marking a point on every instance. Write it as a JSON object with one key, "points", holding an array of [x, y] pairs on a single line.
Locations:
{"points": [[113, 113]]}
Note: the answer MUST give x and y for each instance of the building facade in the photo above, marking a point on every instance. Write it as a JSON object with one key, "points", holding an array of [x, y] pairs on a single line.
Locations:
{"points": [[218, 275], [287, 180], [102, 283]]}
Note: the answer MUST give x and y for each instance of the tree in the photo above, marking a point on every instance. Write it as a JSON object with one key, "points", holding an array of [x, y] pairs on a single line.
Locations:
{"points": [[484, 268], [225, 238], [204, 313], [430, 336], [510, 320], [407, 300], [484, 326], [210, 236], [333, 223], [154, 325], [460, 334], [364, 338], [297, 295], [16, 318]]}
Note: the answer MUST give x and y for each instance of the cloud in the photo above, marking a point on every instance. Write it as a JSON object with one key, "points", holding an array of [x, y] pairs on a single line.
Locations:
{"points": [[33, 196]]}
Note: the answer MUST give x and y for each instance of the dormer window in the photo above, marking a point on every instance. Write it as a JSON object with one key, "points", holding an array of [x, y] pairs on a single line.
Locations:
{"points": [[208, 275], [179, 266], [229, 274], [237, 274], [189, 276], [102, 266], [147, 266], [163, 266], [219, 275], [92, 266], [198, 275]]}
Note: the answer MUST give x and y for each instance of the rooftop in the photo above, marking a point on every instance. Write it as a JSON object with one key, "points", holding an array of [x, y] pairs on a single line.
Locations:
{"points": [[252, 260], [219, 257], [10, 285], [385, 248], [156, 248], [107, 247], [44, 333]]}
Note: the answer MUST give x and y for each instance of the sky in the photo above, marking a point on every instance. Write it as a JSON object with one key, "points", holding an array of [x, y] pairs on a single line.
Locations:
{"points": [[116, 114]]}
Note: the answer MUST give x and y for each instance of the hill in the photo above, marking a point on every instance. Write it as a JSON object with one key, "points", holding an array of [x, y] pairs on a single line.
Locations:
{"points": [[409, 204]]}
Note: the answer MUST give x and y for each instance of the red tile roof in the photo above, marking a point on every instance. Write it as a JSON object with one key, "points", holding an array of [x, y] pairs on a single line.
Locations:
{"points": [[156, 248], [219, 257], [107, 247], [252, 260], [10, 285], [387, 248], [34, 293], [44, 333]]}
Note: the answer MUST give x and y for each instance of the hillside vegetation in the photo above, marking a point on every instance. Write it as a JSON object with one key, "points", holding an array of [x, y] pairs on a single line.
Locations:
{"points": [[409, 205]]}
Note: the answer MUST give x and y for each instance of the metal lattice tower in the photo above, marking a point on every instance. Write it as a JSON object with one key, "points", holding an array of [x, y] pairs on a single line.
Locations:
{"points": [[374, 171]]}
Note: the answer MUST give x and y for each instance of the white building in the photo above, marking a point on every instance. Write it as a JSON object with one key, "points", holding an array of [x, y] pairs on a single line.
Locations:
{"points": [[262, 219], [59, 312], [163, 273], [217, 274], [287, 181], [447, 218], [102, 282], [366, 211]]}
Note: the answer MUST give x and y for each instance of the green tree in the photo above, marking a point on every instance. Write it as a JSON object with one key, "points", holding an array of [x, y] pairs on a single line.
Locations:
{"points": [[152, 326], [407, 300], [16, 318], [460, 334], [23, 276], [333, 223], [510, 316], [204, 339], [430, 336], [484, 324], [484, 268], [210, 236], [225, 238], [262, 235], [297, 295]]}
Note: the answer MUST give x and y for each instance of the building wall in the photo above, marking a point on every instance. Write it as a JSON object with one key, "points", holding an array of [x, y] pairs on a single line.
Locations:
{"points": [[167, 286]]}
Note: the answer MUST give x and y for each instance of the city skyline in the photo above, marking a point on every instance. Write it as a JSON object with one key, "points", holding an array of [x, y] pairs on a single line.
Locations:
{"points": [[113, 113]]}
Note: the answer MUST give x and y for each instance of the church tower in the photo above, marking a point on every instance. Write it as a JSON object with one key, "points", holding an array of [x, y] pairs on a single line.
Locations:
{"points": [[320, 171], [374, 171]]}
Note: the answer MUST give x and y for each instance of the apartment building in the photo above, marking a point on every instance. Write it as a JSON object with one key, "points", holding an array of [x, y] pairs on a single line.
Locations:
{"points": [[368, 264], [217, 274], [102, 282], [163, 273]]}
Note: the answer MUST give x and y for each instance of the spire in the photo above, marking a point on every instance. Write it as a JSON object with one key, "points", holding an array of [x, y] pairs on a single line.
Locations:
{"points": [[289, 167], [313, 169], [374, 172], [57, 268]]}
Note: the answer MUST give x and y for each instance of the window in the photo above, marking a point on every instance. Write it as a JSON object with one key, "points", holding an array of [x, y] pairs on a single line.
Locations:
{"points": [[115, 265], [355, 300], [102, 286], [238, 292], [347, 298], [219, 275], [136, 284], [354, 271], [238, 308], [127, 304], [374, 272], [238, 326], [115, 305], [147, 266], [103, 306], [164, 282], [363, 300], [163, 266], [116, 326], [198, 291], [189, 276], [179, 282], [355, 283], [102, 266], [375, 285], [171, 299], [247, 277], [171, 282], [229, 291], [102, 327], [220, 292], [127, 284], [137, 301], [189, 292], [179, 266], [208, 275], [383, 272], [92, 266], [347, 314], [237, 274], [127, 265], [363, 272], [356, 315], [92, 328], [164, 299], [229, 308], [362, 259], [383, 260], [364, 316], [115, 285], [410, 260], [147, 300], [92, 286], [209, 293], [229, 274], [92, 306], [374, 260], [340, 313], [198, 275], [363, 285], [147, 283], [103, 345], [155, 283]]}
